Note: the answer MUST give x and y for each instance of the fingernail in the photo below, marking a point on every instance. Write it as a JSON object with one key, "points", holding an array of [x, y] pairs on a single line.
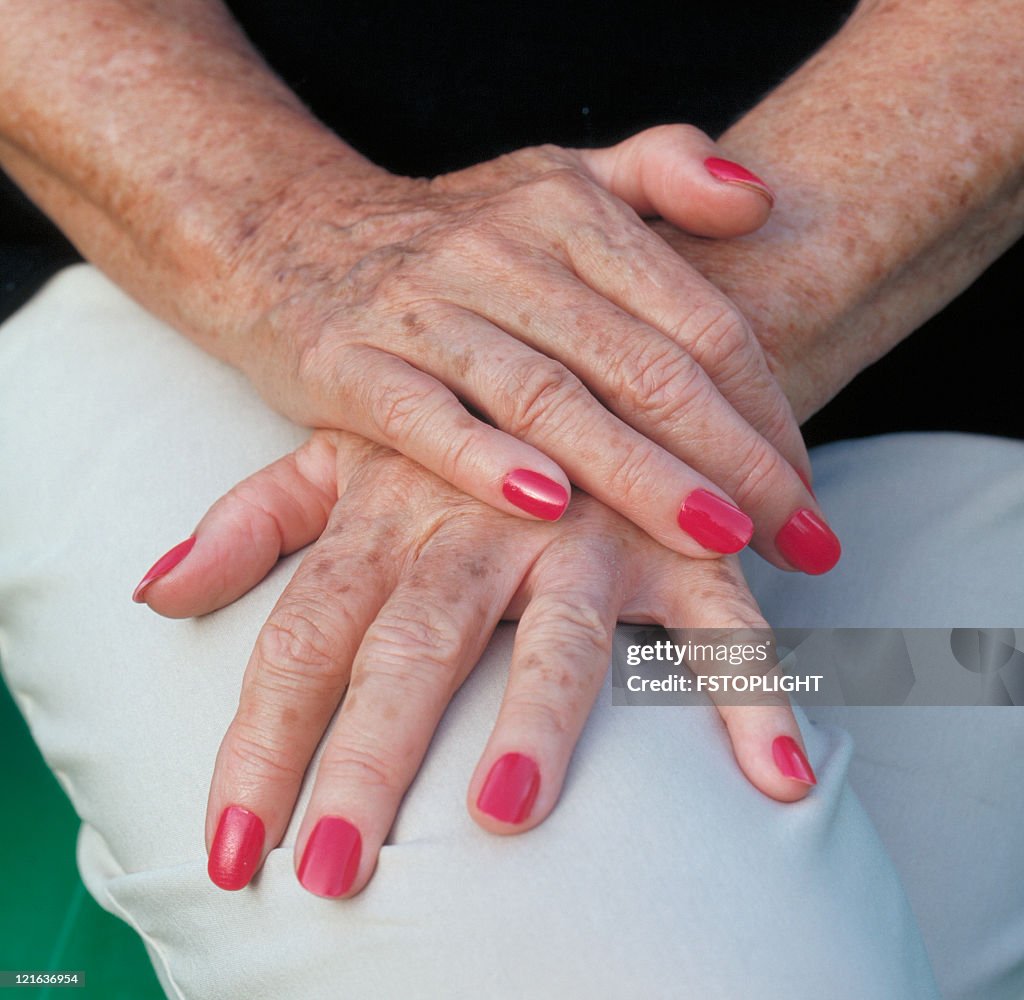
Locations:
{"points": [[715, 523], [236, 850], [536, 494], [733, 173], [808, 543], [163, 566], [510, 789], [790, 760], [331, 859]]}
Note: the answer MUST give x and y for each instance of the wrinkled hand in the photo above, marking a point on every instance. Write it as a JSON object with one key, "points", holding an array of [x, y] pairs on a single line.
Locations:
{"points": [[528, 290], [798, 309], [387, 614]]}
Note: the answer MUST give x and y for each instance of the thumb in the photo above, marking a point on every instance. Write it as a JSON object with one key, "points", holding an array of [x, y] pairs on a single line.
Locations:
{"points": [[677, 172], [276, 511]]}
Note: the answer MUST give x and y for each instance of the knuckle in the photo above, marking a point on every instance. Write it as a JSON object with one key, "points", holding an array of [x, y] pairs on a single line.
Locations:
{"points": [[670, 137], [684, 130], [474, 241], [566, 649], [362, 764], [562, 194], [540, 715], [733, 610], [425, 645], [572, 620], [776, 419], [758, 474], [588, 559], [538, 392], [664, 384], [293, 650], [545, 193], [458, 460], [634, 476], [562, 184], [399, 409], [253, 751], [248, 506], [547, 155], [714, 333]]}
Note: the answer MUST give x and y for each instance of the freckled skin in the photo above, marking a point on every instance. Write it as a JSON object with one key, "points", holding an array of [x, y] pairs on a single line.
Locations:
{"points": [[477, 568], [896, 151], [867, 144], [899, 152], [451, 576]]}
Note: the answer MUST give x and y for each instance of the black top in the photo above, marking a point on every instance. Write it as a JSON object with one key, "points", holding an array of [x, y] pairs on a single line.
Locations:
{"points": [[423, 89]]}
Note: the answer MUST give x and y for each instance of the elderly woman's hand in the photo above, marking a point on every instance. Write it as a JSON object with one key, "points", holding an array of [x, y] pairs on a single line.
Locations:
{"points": [[387, 614], [527, 290]]}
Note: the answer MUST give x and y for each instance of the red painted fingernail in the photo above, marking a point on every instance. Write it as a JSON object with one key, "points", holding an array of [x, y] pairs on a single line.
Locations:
{"points": [[733, 173], [808, 543], [715, 523], [236, 850], [163, 566], [510, 789], [331, 859], [536, 494], [790, 760]]}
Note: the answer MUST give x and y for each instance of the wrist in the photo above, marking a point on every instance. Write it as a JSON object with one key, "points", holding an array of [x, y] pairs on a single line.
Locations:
{"points": [[236, 254], [168, 152], [896, 156]]}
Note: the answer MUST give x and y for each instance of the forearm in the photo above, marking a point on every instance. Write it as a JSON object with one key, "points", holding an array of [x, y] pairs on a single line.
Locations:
{"points": [[161, 144], [898, 156]]}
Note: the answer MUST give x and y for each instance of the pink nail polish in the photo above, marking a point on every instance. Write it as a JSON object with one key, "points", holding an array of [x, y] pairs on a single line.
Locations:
{"points": [[331, 860], [536, 494], [790, 760], [808, 543], [163, 566], [715, 523], [733, 173], [237, 846], [510, 789]]}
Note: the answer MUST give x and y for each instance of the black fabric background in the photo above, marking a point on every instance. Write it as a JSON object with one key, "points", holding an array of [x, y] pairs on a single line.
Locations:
{"points": [[422, 89]]}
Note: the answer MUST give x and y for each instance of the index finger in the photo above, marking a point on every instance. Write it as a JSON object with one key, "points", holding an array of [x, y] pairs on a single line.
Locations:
{"points": [[295, 678]]}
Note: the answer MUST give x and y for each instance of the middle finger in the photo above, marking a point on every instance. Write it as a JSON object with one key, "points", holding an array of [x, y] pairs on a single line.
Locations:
{"points": [[425, 640]]}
